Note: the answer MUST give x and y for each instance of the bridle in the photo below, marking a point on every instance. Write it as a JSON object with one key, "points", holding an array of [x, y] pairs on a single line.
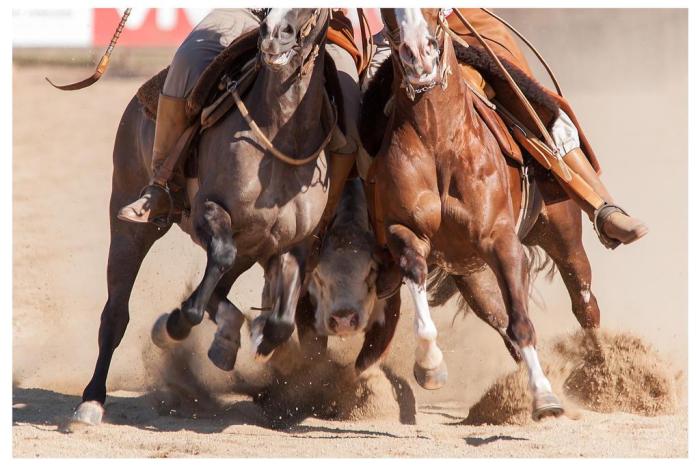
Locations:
{"points": [[443, 66]]}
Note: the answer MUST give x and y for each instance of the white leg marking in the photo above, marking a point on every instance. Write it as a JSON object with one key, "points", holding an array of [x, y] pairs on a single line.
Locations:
{"points": [[586, 293], [428, 355], [538, 381]]}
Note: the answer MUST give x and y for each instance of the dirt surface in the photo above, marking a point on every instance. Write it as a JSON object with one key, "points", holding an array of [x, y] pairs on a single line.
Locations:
{"points": [[162, 406]]}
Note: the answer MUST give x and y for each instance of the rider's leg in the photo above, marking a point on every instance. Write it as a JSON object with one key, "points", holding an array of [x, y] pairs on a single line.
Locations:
{"points": [[612, 223], [216, 31], [342, 159]]}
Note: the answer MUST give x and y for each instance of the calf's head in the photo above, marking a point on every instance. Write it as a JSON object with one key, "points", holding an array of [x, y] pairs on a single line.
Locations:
{"points": [[343, 284]]}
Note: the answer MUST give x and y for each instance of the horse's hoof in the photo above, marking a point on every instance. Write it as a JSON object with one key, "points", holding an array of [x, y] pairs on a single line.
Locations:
{"points": [[546, 405], [263, 352], [222, 353], [159, 333], [431, 379], [89, 412]]}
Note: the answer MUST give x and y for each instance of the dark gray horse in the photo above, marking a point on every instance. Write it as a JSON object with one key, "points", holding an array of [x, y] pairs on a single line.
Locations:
{"points": [[247, 205]]}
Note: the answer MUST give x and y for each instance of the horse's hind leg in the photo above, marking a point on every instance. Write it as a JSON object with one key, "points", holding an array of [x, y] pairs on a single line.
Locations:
{"points": [[285, 275], [128, 246], [506, 256], [429, 369], [480, 290], [558, 232], [215, 232]]}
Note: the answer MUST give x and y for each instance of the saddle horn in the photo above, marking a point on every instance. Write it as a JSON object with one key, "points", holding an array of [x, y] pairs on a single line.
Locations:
{"points": [[104, 61]]}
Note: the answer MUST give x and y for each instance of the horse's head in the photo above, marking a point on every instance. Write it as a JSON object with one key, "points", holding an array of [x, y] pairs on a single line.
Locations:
{"points": [[289, 36], [413, 33], [343, 284]]}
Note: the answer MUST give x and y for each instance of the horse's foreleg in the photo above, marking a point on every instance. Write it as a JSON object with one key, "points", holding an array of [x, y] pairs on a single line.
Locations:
{"points": [[229, 319], [128, 246], [506, 256], [380, 333], [214, 230], [429, 369], [286, 274]]}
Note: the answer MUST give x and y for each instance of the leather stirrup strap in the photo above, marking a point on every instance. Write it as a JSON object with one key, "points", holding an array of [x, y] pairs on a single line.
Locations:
{"points": [[165, 171]]}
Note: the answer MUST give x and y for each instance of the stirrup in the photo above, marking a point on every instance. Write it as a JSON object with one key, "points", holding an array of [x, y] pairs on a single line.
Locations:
{"points": [[161, 221], [599, 217]]}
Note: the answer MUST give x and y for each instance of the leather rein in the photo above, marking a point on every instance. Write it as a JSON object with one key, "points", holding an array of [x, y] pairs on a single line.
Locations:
{"points": [[304, 69]]}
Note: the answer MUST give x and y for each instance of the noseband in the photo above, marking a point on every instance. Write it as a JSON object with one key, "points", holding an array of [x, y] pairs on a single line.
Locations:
{"points": [[443, 67]]}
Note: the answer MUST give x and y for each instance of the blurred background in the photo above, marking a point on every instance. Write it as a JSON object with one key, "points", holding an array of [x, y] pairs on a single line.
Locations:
{"points": [[624, 71]]}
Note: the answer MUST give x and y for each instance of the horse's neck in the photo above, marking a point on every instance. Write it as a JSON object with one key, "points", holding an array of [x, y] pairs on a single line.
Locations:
{"points": [[289, 101], [438, 108]]}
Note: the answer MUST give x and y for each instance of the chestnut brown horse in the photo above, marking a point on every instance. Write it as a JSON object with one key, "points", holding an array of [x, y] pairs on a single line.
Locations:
{"points": [[450, 200]]}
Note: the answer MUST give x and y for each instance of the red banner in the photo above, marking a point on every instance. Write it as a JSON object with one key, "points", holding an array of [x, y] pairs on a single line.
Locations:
{"points": [[152, 27]]}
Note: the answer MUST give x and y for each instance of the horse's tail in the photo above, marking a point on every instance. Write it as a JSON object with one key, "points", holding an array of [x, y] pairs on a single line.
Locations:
{"points": [[441, 286], [538, 262]]}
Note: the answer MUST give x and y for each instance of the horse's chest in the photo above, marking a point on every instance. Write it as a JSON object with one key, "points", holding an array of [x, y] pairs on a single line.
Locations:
{"points": [[273, 217]]}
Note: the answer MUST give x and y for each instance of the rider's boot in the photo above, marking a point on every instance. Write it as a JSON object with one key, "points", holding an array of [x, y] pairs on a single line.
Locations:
{"points": [[613, 225], [155, 203]]}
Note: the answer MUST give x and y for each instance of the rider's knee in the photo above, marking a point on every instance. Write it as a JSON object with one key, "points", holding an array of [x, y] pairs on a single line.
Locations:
{"points": [[565, 134]]}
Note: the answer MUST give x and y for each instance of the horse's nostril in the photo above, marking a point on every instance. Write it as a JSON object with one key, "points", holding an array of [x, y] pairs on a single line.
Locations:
{"points": [[332, 323], [354, 321]]}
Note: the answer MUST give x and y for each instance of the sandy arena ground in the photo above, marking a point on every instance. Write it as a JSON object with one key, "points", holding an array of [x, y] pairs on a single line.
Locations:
{"points": [[629, 87]]}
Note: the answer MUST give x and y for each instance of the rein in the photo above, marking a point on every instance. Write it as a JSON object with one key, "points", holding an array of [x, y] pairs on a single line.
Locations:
{"points": [[306, 66]]}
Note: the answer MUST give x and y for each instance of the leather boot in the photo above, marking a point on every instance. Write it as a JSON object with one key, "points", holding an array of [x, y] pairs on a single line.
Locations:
{"points": [[155, 204], [613, 225]]}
